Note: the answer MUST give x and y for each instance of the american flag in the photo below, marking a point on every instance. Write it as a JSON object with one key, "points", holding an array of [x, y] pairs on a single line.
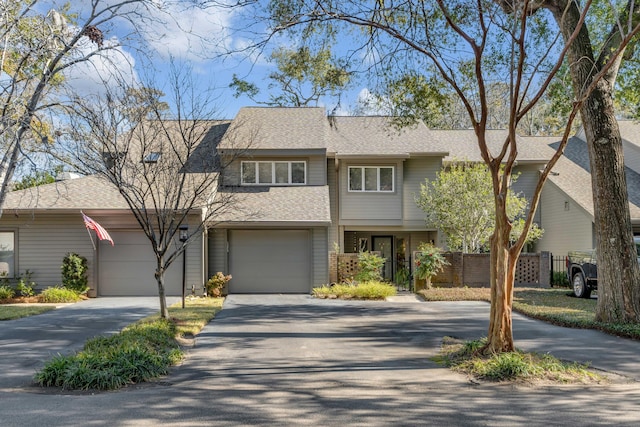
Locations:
{"points": [[100, 232]]}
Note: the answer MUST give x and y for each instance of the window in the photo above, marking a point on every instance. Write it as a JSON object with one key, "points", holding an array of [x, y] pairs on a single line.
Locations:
{"points": [[152, 157], [274, 173], [371, 178], [7, 253]]}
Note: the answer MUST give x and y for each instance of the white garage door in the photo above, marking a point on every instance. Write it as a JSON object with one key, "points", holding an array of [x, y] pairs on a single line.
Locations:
{"points": [[128, 268], [270, 261]]}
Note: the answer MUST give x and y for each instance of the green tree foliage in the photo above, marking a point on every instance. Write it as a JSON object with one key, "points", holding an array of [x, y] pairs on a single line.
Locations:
{"points": [[302, 78], [459, 202], [74, 273], [39, 177]]}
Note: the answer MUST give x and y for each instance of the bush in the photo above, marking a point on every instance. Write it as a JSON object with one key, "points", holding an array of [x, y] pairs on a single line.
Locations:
{"points": [[74, 273], [429, 261], [560, 279], [140, 352], [6, 292], [215, 285], [370, 267], [58, 294], [365, 290], [25, 287]]}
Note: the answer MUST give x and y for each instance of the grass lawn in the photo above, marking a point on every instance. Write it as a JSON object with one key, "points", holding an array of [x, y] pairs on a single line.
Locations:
{"points": [[553, 305], [10, 312]]}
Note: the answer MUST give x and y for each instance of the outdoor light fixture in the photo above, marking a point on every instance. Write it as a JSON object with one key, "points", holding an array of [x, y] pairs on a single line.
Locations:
{"points": [[184, 233]]}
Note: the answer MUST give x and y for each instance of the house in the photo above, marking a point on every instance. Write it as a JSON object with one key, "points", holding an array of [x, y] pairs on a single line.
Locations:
{"points": [[566, 206], [305, 184]]}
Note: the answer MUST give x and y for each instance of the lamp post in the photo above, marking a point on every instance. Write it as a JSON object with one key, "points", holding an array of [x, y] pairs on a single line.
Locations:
{"points": [[183, 235]]}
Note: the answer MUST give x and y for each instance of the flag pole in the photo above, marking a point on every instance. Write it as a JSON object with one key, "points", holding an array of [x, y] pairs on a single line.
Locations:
{"points": [[90, 236]]}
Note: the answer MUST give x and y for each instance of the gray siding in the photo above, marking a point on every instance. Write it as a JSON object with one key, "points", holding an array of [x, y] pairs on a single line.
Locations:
{"points": [[333, 201], [320, 257], [356, 206], [43, 241], [527, 181], [631, 155], [415, 172], [316, 168], [217, 251], [566, 225]]}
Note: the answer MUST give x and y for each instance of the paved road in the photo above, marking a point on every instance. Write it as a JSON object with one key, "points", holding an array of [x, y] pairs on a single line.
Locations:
{"points": [[293, 360], [27, 343]]}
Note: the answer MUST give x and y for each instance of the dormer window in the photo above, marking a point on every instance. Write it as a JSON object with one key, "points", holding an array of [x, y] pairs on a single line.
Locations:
{"points": [[274, 173], [152, 157]]}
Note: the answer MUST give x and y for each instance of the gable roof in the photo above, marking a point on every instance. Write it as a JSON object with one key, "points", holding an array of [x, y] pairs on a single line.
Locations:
{"points": [[572, 174]]}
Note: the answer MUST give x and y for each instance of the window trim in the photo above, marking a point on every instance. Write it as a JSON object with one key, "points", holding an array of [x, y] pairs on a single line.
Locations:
{"points": [[14, 231], [378, 190], [273, 172]]}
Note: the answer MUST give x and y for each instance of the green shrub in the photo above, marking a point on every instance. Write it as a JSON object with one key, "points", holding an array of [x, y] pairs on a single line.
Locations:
{"points": [[6, 292], [74, 273], [58, 294], [364, 290], [560, 279], [370, 267], [139, 353], [25, 287]]}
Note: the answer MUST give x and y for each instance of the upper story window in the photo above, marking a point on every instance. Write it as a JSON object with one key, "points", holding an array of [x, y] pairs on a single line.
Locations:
{"points": [[274, 173], [371, 178], [152, 157]]}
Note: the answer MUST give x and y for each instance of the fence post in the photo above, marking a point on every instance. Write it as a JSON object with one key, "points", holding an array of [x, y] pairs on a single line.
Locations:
{"points": [[545, 269]]}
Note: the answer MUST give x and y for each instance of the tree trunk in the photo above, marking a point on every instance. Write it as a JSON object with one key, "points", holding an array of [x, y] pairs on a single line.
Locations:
{"points": [[503, 262], [618, 271], [164, 310]]}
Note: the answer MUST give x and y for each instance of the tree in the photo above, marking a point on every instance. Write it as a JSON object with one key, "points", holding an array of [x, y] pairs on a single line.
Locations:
{"points": [[302, 78], [618, 271], [166, 169], [459, 203], [38, 177], [37, 51], [460, 39]]}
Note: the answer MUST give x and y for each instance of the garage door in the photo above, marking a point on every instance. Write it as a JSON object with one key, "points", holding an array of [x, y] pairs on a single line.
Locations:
{"points": [[128, 267], [269, 261]]}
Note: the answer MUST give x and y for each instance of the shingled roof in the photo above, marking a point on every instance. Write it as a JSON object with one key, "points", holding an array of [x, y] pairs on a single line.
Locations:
{"points": [[373, 136], [277, 128], [299, 204], [81, 193]]}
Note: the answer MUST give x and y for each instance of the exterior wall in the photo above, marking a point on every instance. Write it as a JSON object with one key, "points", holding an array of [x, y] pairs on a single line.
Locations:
{"points": [[370, 208], [43, 240], [217, 252], [334, 235], [631, 155], [527, 181], [566, 225], [415, 172], [320, 250], [316, 168]]}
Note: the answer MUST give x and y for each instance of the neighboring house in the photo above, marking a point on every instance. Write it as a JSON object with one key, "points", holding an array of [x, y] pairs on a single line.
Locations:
{"points": [[304, 185], [566, 206]]}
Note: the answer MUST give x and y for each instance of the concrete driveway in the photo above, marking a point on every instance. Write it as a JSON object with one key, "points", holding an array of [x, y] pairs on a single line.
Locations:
{"points": [[294, 360], [27, 343]]}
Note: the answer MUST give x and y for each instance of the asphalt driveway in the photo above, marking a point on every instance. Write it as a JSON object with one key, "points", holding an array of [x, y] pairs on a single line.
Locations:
{"points": [[27, 343], [294, 360]]}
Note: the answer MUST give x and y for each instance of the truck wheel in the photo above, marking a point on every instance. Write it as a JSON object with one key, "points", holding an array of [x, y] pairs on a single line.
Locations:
{"points": [[580, 288]]}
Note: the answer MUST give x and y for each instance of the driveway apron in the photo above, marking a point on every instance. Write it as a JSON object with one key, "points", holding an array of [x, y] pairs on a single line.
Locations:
{"points": [[27, 343]]}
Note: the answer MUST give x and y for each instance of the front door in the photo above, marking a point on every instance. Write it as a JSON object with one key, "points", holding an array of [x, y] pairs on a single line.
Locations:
{"points": [[384, 245]]}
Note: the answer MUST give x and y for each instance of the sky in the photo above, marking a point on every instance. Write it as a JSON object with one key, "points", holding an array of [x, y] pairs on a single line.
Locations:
{"points": [[199, 39]]}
